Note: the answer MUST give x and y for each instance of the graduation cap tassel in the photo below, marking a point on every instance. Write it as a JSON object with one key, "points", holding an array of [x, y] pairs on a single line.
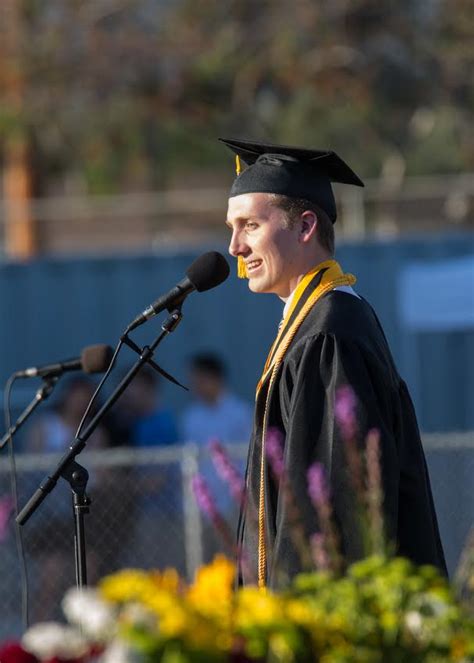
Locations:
{"points": [[241, 268], [238, 165]]}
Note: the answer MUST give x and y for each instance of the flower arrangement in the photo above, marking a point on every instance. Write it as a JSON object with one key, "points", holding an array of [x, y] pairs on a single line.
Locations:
{"points": [[381, 608]]}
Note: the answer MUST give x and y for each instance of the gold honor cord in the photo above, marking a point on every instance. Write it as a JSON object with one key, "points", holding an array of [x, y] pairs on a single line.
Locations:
{"points": [[332, 278], [312, 276]]}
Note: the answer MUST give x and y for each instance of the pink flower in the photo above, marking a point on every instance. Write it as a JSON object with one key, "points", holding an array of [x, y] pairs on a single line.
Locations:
{"points": [[6, 508], [345, 411], [226, 470], [324, 544], [317, 487], [204, 497], [274, 451], [318, 550], [208, 506]]}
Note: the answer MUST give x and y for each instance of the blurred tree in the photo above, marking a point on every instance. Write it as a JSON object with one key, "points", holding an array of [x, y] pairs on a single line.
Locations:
{"points": [[352, 75], [18, 171], [127, 93]]}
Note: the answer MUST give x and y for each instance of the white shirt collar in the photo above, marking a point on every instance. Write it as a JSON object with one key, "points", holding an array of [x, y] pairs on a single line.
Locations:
{"points": [[288, 304], [342, 288]]}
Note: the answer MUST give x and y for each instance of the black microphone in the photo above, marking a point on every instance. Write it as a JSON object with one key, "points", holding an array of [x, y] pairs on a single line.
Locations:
{"points": [[93, 359], [206, 272]]}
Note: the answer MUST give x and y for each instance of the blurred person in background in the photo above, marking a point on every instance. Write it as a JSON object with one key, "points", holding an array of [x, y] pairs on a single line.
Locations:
{"points": [[57, 427], [214, 414], [329, 344], [150, 423], [215, 411]]}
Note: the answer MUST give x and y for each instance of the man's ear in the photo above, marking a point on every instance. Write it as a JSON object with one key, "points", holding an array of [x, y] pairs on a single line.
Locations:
{"points": [[308, 226]]}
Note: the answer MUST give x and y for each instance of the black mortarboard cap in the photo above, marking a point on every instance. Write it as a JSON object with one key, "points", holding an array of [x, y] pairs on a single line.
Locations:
{"points": [[296, 172]]}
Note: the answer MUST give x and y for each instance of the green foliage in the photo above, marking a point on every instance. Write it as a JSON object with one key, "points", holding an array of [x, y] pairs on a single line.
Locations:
{"points": [[130, 93]]}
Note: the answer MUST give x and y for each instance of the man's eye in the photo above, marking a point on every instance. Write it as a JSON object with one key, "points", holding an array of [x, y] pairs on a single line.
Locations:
{"points": [[250, 225]]}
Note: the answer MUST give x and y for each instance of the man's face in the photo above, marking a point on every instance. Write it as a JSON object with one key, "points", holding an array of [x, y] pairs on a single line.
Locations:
{"points": [[271, 251]]}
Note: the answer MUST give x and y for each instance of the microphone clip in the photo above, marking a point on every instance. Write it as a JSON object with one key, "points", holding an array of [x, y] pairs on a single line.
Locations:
{"points": [[46, 389], [168, 326]]}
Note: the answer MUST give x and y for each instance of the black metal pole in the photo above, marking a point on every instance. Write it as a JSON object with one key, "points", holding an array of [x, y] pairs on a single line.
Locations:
{"points": [[41, 395], [80, 542], [77, 477]]}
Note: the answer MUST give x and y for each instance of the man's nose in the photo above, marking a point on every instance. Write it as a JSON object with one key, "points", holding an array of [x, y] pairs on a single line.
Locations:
{"points": [[237, 247]]}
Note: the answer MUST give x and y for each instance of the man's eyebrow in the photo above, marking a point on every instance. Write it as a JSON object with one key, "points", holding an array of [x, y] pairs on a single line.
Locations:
{"points": [[239, 219]]}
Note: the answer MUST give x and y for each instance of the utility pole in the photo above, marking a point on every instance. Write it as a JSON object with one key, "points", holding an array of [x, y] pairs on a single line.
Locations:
{"points": [[20, 226]]}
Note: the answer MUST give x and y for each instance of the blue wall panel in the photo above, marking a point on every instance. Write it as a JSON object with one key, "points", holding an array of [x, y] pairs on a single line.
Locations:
{"points": [[52, 308]]}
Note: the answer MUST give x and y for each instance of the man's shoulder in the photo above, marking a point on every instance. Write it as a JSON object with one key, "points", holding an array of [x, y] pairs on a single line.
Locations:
{"points": [[346, 321], [343, 313]]}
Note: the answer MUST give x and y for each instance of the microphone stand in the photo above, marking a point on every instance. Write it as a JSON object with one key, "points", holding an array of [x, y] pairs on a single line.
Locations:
{"points": [[75, 474], [41, 395]]}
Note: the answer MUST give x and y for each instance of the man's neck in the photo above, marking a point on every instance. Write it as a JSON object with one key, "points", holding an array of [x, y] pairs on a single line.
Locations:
{"points": [[317, 260]]}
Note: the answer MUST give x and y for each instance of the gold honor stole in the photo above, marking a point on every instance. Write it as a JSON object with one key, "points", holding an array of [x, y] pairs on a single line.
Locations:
{"points": [[324, 277]]}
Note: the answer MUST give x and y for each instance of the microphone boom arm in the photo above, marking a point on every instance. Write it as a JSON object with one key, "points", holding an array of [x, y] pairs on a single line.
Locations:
{"points": [[79, 442]]}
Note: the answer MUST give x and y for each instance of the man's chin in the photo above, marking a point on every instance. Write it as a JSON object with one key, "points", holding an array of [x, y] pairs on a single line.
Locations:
{"points": [[258, 286]]}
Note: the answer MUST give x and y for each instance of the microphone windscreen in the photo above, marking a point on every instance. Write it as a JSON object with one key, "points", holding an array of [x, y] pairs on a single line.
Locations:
{"points": [[208, 271], [96, 358]]}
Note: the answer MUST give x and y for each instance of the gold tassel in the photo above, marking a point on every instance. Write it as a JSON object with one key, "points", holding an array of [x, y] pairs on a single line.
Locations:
{"points": [[241, 268]]}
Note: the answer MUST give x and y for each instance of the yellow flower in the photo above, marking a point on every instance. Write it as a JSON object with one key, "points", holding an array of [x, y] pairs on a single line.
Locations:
{"points": [[212, 590], [167, 580], [136, 585], [258, 608], [126, 585], [173, 623], [301, 613]]}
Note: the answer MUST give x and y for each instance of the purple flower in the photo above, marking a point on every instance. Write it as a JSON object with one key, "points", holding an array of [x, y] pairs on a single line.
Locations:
{"points": [[345, 411], [374, 490], [317, 487], [204, 497], [226, 470], [274, 451], [325, 544], [208, 506], [6, 508], [318, 550]]}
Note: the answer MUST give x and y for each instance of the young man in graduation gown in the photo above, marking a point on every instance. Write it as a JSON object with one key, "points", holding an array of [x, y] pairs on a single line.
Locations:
{"points": [[281, 214]]}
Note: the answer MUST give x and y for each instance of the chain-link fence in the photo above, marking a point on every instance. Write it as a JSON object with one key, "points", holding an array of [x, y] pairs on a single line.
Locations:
{"points": [[144, 515]]}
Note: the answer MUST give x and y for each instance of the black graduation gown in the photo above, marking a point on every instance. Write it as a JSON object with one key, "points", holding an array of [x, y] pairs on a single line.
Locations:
{"points": [[339, 342]]}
